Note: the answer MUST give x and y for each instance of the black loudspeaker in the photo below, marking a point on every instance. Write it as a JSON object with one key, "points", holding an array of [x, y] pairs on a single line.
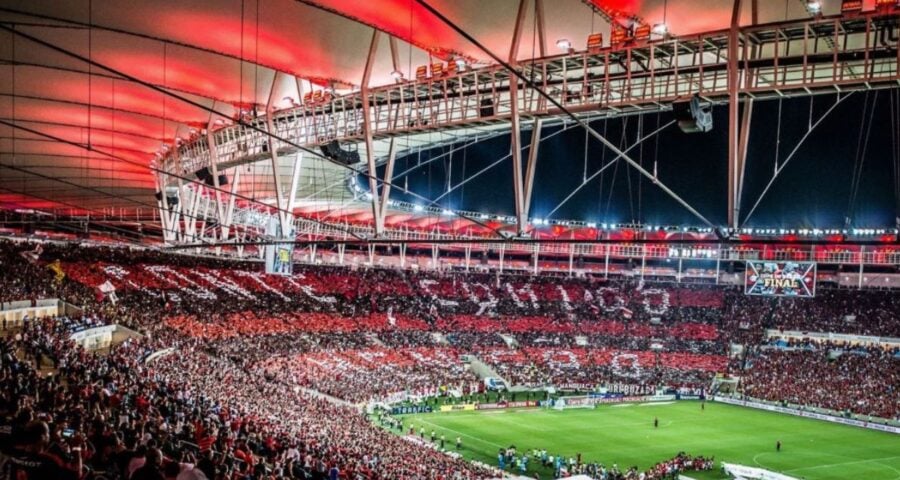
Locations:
{"points": [[265, 148], [333, 151], [691, 116], [730, 267], [204, 175], [487, 108], [28, 228], [579, 262], [330, 149]]}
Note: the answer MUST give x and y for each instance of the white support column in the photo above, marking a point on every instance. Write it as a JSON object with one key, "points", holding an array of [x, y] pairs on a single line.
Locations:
{"points": [[341, 248], [743, 140], [202, 229], [571, 259], [273, 156], [537, 253], [295, 181], [539, 21], [606, 264], [515, 126], [162, 205], [434, 256], [178, 217], [395, 58], [531, 166], [643, 261], [862, 256], [229, 209], [678, 273], [402, 255], [190, 219], [733, 117], [502, 252], [718, 262], [468, 252], [367, 124], [388, 179], [214, 168], [314, 248]]}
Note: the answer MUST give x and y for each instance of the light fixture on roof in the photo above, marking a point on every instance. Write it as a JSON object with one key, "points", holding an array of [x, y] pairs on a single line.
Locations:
{"points": [[460, 64], [814, 6], [564, 44], [397, 75], [660, 29]]}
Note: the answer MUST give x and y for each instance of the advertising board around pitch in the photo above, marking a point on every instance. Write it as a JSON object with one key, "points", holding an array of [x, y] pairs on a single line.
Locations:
{"points": [[780, 278]]}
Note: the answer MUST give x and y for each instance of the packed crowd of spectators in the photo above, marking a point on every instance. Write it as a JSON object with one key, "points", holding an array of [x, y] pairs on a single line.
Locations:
{"points": [[375, 373], [189, 415], [589, 367], [864, 381], [238, 394]]}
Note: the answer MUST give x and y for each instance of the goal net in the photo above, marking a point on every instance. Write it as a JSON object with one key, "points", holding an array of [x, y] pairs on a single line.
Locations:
{"points": [[575, 401]]}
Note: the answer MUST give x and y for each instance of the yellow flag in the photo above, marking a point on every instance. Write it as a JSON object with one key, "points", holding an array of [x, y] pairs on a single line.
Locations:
{"points": [[57, 268]]}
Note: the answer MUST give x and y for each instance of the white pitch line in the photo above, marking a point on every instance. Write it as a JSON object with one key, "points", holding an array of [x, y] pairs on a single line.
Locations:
{"points": [[845, 463], [462, 434]]}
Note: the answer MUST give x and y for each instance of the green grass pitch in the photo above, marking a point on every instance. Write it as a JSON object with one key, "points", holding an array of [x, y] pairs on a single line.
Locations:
{"points": [[624, 434]]}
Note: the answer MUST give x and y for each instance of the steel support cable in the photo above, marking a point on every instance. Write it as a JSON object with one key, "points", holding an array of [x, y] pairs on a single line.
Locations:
{"points": [[607, 165], [431, 159], [564, 110], [602, 162], [856, 157], [500, 160], [239, 121], [854, 192], [778, 134], [612, 188], [787, 159], [895, 149]]}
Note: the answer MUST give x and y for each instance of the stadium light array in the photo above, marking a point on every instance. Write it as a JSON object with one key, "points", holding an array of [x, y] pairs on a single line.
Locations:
{"points": [[564, 44]]}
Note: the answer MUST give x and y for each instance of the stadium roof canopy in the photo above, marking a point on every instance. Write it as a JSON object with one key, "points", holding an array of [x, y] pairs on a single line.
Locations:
{"points": [[224, 54]]}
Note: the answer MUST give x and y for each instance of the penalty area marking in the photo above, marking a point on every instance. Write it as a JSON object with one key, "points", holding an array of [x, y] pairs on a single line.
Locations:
{"points": [[486, 442]]}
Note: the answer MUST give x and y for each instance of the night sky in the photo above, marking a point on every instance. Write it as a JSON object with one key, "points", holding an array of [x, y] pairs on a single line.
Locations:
{"points": [[813, 191]]}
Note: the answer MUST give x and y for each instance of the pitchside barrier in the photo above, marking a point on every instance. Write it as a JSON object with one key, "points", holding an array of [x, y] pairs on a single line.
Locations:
{"points": [[579, 401], [808, 414]]}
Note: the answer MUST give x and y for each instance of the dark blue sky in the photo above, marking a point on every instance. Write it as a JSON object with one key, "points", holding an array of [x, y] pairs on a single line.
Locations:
{"points": [[814, 190]]}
